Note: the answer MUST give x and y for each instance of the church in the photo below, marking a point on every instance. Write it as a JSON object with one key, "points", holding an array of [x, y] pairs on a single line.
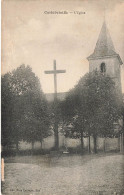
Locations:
{"points": [[104, 59]]}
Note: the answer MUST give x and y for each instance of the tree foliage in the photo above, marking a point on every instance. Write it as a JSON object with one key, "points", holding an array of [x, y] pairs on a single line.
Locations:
{"points": [[24, 108], [92, 106]]}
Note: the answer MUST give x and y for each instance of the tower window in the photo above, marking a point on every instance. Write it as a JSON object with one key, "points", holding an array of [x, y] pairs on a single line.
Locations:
{"points": [[103, 68]]}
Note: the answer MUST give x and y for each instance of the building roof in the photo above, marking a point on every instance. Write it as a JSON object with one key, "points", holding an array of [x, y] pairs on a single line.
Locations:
{"points": [[50, 96], [104, 46]]}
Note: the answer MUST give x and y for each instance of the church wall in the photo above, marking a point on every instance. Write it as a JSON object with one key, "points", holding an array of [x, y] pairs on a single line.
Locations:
{"points": [[48, 143], [112, 66], [112, 69], [112, 144]]}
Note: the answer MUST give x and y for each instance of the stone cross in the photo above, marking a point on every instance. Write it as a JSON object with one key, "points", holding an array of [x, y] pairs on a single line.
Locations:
{"points": [[55, 72]]}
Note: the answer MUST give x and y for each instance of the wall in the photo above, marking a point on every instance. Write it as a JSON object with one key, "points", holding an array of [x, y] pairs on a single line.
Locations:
{"points": [[112, 65], [48, 143], [112, 68]]}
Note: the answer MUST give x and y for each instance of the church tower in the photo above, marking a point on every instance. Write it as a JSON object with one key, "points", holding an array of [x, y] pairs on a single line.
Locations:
{"points": [[104, 58]]}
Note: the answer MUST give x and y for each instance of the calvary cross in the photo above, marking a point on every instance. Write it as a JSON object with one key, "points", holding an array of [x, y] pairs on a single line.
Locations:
{"points": [[55, 72]]}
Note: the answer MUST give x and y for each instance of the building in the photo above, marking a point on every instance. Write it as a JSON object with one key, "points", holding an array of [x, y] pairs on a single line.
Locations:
{"points": [[60, 96], [105, 59]]}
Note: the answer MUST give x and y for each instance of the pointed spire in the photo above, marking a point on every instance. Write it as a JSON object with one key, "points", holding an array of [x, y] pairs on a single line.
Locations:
{"points": [[104, 46]]}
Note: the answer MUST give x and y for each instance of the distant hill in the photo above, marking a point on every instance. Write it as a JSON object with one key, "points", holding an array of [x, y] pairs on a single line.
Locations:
{"points": [[50, 96]]}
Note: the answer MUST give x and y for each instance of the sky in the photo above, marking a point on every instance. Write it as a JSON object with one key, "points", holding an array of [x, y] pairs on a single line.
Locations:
{"points": [[33, 37]]}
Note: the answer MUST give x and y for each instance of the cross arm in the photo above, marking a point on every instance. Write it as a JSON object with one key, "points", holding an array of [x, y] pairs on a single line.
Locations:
{"points": [[60, 71], [54, 71], [49, 72]]}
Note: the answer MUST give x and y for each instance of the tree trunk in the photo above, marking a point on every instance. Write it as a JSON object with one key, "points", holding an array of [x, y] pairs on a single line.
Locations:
{"points": [[122, 142], [41, 144], [41, 140], [82, 143], [123, 130], [56, 123], [119, 143], [95, 144], [89, 146], [32, 146], [104, 148], [56, 134], [17, 146]]}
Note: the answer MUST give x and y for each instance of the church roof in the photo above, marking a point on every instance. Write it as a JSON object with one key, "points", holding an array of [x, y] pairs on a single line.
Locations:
{"points": [[61, 96], [104, 46]]}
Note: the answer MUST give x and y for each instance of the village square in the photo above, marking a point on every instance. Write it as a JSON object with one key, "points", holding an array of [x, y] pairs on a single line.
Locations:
{"points": [[65, 142]]}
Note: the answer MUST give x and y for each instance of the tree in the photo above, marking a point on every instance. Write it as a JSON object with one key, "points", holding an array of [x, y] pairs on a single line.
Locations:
{"points": [[6, 111], [96, 108], [104, 103], [29, 114], [35, 121], [122, 130], [74, 116]]}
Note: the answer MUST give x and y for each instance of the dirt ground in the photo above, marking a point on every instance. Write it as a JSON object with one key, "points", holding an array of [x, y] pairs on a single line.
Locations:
{"points": [[64, 175]]}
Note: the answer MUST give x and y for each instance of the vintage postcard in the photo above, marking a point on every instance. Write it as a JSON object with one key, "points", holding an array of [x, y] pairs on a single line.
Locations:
{"points": [[62, 97]]}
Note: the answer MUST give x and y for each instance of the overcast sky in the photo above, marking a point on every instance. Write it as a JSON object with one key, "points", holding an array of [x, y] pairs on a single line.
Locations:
{"points": [[31, 37]]}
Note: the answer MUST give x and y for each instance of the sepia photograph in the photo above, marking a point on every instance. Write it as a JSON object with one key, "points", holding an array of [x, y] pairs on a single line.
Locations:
{"points": [[62, 97]]}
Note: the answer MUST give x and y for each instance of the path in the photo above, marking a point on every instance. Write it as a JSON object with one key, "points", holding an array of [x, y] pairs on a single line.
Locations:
{"points": [[69, 175]]}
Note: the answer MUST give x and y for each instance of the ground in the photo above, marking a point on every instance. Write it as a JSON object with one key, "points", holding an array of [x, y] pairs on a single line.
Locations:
{"points": [[64, 175]]}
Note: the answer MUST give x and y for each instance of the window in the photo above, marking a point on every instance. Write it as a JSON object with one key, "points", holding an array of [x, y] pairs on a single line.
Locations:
{"points": [[103, 68]]}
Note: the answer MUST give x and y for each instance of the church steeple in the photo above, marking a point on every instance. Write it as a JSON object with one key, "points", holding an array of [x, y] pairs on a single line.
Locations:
{"points": [[104, 58], [104, 46]]}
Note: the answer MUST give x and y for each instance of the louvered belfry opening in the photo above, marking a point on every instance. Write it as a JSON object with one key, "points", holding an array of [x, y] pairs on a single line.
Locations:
{"points": [[103, 67]]}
